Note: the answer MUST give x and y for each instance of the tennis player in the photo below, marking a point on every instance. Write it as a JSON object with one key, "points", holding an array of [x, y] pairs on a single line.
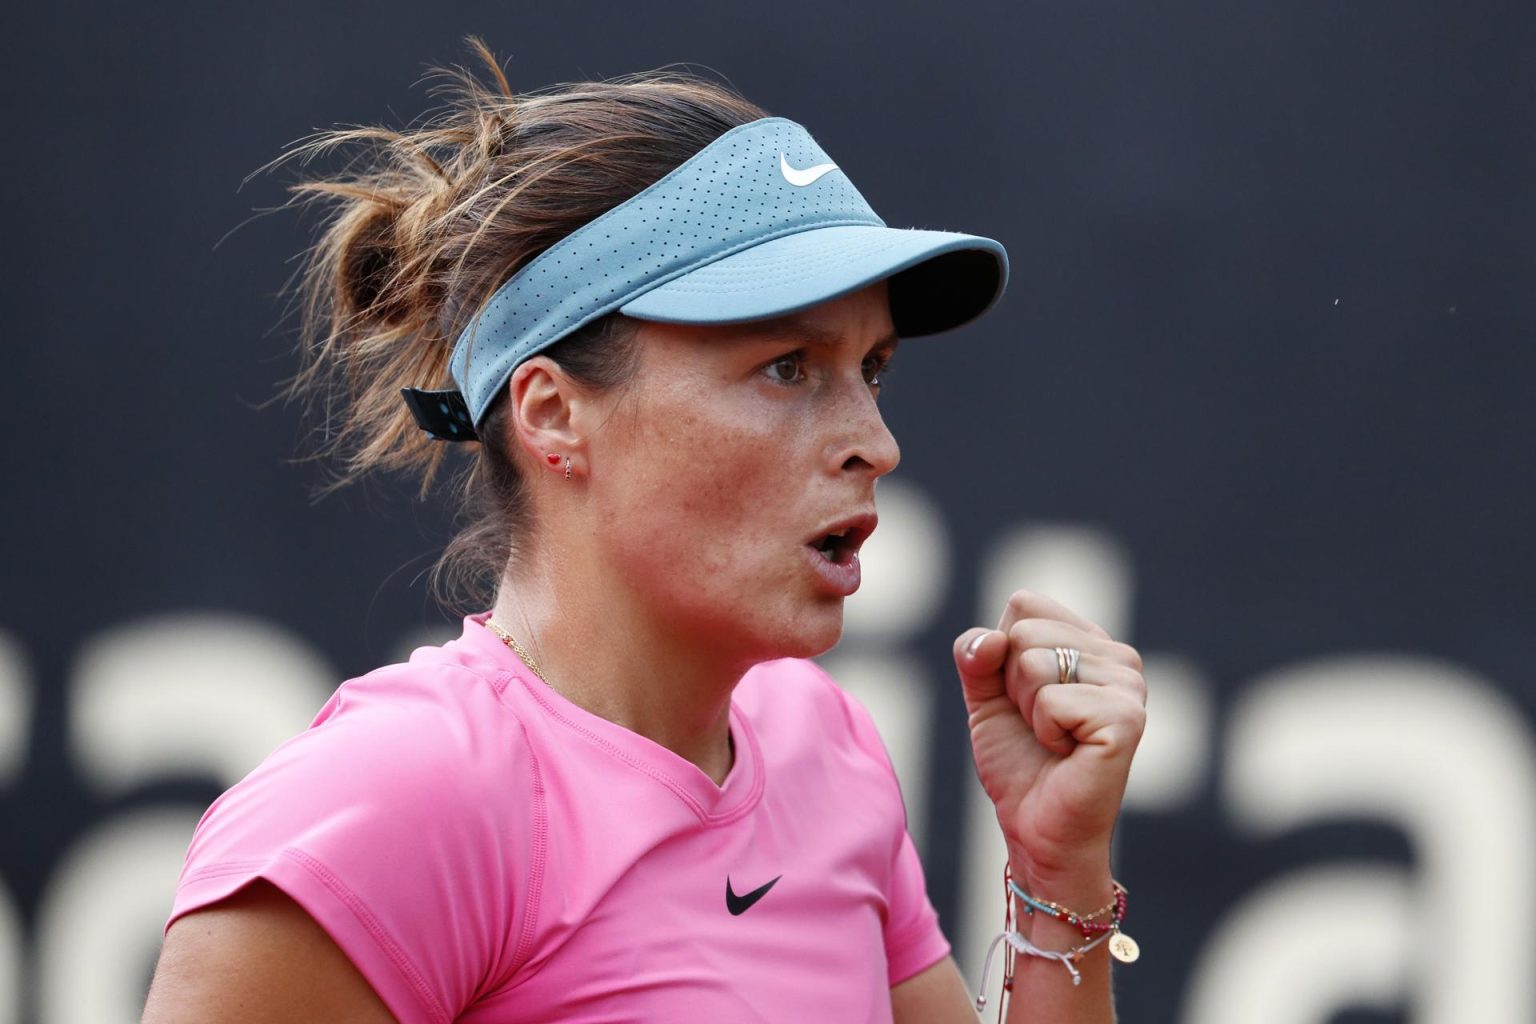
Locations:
{"points": [[656, 321]]}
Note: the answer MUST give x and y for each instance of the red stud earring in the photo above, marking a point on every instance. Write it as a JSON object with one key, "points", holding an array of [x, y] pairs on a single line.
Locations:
{"points": [[554, 458]]}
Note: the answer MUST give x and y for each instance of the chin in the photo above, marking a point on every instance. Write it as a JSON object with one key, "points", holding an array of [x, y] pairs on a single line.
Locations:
{"points": [[809, 635]]}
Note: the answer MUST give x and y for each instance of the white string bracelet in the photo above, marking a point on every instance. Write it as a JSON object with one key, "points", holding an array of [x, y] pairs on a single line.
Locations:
{"points": [[986, 971], [1022, 945]]}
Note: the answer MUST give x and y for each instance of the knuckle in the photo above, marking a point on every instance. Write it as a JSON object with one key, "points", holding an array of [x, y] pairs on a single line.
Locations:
{"points": [[1129, 680], [1024, 633], [1020, 601], [1125, 734], [1138, 688], [1123, 741], [1128, 655], [1116, 742], [1037, 667]]}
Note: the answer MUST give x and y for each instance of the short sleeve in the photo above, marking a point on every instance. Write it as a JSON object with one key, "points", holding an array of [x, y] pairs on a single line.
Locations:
{"points": [[403, 829], [913, 939]]}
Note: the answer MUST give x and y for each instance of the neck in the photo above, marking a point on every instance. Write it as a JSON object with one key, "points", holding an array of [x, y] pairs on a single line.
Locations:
{"points": [[598, 648]]}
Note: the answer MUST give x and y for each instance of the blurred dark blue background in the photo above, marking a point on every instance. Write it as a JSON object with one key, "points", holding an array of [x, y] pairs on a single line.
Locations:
{"points": [[1268, 348]]}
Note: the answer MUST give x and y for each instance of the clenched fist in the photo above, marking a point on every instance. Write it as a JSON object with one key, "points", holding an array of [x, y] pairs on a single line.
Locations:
{"points": [[1052, 757]]}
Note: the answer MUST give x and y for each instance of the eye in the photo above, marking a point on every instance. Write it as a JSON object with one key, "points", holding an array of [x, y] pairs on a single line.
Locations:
{"points": [[787, 369], [876, 366]]}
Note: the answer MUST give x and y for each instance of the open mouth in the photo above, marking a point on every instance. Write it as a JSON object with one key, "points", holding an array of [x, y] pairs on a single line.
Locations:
{"points": [[834, 547], [840, 546]]}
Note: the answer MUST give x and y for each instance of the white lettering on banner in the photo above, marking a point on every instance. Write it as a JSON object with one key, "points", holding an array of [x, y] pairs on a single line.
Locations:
{"points": [[15, 708], [15, 728], [1418, 745], [1435, 751], [1174, 757], [189, 696], [99, 931], [1298, 950]]}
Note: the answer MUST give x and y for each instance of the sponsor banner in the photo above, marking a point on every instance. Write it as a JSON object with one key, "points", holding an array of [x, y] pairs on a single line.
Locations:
{"points": [[1258, 401]]}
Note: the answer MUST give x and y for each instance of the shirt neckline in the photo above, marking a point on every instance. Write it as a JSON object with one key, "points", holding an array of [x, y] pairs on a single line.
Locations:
{"points": [[714, 804]]}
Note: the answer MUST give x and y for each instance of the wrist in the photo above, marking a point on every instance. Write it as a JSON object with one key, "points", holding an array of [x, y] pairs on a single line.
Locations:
{"points": [[1082, 882], [1078, 874], [1070, 928]]}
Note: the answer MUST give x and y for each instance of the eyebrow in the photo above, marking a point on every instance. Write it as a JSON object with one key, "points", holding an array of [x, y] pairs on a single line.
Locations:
{"points": [[793, 328]]}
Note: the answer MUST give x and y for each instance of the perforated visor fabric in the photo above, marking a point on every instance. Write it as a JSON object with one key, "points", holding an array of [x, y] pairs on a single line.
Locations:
{"points": [[757, 224]]}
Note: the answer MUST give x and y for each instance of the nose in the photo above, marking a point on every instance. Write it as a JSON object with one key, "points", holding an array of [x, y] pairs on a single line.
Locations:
{"points": [[868, 445]]}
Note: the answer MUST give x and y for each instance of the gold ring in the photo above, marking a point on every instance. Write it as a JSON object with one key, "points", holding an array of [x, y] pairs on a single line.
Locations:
{"points": [[1066, 664]]}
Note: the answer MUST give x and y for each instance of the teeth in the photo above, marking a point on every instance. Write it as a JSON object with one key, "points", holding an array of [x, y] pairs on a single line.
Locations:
{"points": [[834, 545]]}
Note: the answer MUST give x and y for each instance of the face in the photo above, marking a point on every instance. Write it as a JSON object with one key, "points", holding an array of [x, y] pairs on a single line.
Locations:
{"points": [[733, 479]]}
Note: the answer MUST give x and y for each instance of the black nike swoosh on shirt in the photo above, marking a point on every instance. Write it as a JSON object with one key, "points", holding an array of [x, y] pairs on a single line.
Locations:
{"points": [[739, 905]]}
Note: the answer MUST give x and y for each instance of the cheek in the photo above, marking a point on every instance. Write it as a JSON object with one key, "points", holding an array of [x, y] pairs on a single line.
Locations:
{"points": [[707, 490], [724, 481]]}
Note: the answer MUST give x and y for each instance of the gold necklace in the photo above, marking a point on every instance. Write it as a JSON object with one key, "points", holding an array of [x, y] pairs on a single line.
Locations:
{"points": [[517, 648]]}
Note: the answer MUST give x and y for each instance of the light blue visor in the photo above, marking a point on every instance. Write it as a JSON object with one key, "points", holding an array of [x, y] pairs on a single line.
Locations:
{"points": [[758, 224]]}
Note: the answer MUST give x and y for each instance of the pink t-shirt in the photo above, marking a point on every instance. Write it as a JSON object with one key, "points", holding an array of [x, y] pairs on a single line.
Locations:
{"points": [[486, 851]]}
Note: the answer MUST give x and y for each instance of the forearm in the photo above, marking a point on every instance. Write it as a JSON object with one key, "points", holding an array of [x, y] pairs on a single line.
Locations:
{"points": [[1056, 707]]}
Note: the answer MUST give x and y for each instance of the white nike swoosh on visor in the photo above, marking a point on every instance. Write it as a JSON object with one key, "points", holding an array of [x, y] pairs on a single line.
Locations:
{"points": [[803, 178]]}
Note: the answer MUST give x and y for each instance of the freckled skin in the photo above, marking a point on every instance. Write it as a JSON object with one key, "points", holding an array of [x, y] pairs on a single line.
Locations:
{"points": [[712, 472]]}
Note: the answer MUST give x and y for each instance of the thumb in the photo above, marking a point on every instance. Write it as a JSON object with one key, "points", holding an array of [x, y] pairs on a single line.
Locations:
{"points": [[979, 656]]}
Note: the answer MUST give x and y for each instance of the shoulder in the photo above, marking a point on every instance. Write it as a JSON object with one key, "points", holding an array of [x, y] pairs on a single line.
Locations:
{"points": [[426, 727], [414, 756], [414, 789]]}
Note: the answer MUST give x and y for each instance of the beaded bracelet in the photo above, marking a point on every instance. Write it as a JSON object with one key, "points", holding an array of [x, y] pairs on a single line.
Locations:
{"points": [[1086, 923], [1121, 946]]}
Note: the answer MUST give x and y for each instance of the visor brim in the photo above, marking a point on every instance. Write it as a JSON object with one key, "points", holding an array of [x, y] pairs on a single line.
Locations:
{"points": [[939, 280]]}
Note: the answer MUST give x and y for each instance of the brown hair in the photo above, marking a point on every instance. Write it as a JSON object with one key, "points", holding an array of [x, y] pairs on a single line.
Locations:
{"points": [[426, 222]]}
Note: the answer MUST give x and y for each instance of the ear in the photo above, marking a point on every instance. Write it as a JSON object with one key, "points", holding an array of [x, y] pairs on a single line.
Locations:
{"points": [[546, 407]]}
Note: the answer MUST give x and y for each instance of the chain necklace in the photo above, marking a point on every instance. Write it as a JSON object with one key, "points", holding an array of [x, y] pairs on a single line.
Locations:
{"points": [[517, 648]]}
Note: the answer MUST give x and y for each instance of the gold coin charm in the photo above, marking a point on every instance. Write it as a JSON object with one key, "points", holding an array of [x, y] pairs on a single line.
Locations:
{"points": [[1123, 948]]}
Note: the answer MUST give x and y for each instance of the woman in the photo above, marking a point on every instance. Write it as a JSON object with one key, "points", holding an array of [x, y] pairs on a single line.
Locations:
{"points": [[661, 318]]}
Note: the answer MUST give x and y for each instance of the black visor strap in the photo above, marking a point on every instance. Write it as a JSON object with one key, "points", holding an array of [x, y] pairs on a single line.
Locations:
{"points": [[442, 414]]}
